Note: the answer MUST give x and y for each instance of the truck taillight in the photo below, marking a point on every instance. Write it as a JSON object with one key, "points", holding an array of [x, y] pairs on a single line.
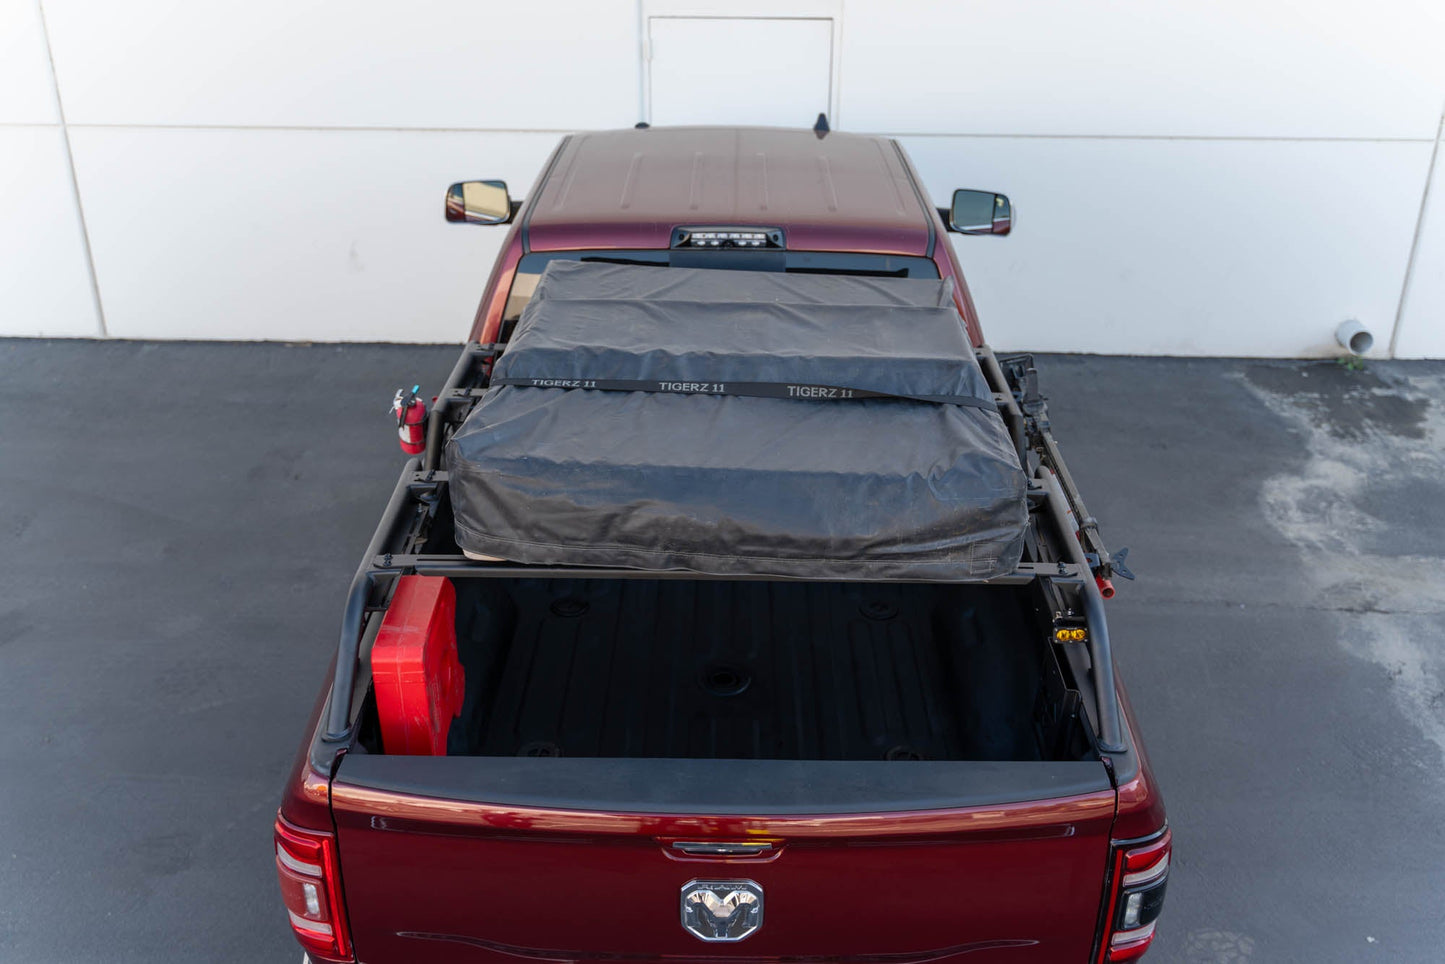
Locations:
{"points": [[1140, 873], [311, 890]]}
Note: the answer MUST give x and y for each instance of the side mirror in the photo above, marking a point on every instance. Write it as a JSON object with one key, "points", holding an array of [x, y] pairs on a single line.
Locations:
{"points": [[980, 212], [479, 202]]}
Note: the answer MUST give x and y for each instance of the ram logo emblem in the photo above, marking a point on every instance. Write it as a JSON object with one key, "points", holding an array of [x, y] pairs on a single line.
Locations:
{"points": [[721, 910]]}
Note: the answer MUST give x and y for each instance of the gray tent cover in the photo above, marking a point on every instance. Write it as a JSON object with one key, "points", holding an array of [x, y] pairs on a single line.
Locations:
{"points": [[740, 423]]}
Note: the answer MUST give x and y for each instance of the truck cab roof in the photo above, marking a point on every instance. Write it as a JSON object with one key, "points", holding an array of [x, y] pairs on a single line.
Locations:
{"points": [[630, 188]]}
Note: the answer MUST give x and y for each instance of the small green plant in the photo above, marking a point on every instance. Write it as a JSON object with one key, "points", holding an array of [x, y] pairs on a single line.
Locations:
{"points": [[1353, 363]]}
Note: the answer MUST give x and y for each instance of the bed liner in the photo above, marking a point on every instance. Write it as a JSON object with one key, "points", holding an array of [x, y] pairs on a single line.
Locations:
{"points": [[768, 670]]}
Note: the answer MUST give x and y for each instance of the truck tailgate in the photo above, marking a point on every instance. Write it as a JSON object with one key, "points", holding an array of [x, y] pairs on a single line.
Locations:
{"points": [[500, 859]]}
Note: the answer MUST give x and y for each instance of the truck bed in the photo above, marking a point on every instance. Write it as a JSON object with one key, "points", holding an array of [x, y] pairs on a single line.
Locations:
{"points": [[681, 669]]}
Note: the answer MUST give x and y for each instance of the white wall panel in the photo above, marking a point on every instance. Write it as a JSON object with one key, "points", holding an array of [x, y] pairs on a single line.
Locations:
{"points": [[1227, 68], [1184, 247], [348, 63], [1422, 319], [291, 235], [771, 71], [1230, 177], [45, 284], [27, 93]]}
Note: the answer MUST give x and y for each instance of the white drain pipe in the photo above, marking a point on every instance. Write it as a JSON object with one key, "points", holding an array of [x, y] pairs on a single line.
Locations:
{"points": [[1354, 337]]}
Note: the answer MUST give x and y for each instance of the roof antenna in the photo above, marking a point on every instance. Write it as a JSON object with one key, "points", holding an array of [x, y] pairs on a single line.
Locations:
{"points": [[821, 127]]}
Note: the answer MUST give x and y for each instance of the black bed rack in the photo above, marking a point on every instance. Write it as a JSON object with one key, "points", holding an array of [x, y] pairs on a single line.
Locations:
{"points": [[1066, 566]]}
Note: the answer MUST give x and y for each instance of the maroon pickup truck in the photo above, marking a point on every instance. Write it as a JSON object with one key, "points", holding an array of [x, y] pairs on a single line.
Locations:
{"points": [[614, 764]]}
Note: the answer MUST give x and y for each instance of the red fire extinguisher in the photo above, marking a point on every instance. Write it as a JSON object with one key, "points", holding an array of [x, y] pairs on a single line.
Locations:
{"points": [[410, 412]]}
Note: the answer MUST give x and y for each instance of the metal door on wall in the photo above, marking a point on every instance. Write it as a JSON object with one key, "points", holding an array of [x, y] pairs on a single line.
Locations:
{"points": [[725, 70]]}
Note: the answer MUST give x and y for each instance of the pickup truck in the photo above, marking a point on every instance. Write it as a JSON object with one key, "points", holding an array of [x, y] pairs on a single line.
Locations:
{"points": [[879, 773]]}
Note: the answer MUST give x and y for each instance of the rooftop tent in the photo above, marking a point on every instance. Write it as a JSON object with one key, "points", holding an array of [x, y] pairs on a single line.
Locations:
{"points": [[740, 423]]}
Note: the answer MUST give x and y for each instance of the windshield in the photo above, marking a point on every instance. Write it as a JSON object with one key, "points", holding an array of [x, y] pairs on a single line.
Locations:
{"points": [[530, 268]]}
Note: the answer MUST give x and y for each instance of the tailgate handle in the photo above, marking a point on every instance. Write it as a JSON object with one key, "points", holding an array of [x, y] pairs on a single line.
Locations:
{"points": [[706, 848]]}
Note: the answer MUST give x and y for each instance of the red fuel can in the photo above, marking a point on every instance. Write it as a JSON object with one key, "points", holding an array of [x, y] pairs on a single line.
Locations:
{"points": [[418, 678]]}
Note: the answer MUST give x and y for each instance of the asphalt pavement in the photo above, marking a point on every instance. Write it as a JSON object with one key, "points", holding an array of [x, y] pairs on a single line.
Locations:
{"points": [[179, 523]]}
